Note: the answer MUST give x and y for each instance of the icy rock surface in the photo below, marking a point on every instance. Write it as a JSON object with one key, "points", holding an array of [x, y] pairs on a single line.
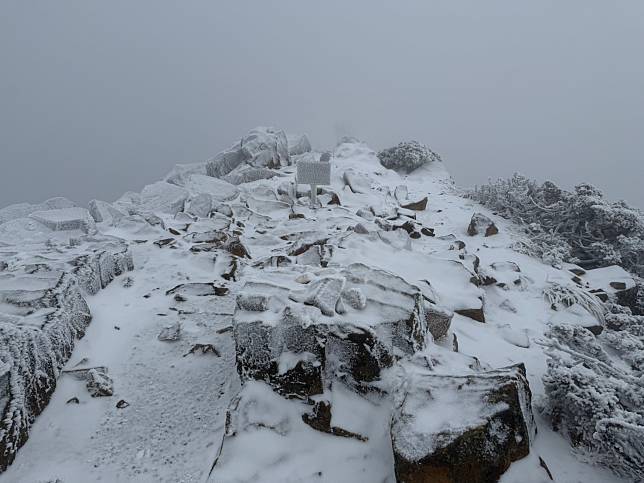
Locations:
{"points": [[218, 189], [298, 145], [22, 210], [104, 212], [350, 321], [462, 428], [262, 147], [34, 349], [163, 197], [65, 219], [42, 313]]}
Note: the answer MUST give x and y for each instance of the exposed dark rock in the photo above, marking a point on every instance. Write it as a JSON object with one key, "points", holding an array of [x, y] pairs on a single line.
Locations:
{"points": [[166, 242], [438, 320], [427, 231], [481, 224], [320, 420], [618, 285], [492, 427], [99, 384], [204, 349], [475, 314], [420, 205]]}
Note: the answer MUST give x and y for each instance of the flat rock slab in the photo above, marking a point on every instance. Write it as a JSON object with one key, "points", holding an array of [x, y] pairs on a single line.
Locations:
{"points": [[163, 197], [66, 219], [455, 429], [218, 189]]}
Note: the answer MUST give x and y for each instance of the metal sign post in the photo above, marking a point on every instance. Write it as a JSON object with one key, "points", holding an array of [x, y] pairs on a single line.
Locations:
{"points": [[314, 173]]}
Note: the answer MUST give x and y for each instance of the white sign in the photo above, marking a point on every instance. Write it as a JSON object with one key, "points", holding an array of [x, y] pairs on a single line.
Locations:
{"points": [[314, 173]]}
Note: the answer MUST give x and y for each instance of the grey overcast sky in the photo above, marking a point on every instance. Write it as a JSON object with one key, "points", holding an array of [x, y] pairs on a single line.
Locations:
{"points": [[101, 97]]}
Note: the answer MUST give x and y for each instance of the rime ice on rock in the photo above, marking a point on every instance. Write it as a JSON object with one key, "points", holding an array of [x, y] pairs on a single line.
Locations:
{"points": [[218, 189], [66, 219], [43, 314], [104, 212], [22, 210], [351, 321], [262, 147], [298, 145], [162, 197]]}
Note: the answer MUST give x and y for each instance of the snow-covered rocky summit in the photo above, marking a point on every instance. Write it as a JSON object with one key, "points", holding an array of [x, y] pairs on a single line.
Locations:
{"points": [[390, 333]]}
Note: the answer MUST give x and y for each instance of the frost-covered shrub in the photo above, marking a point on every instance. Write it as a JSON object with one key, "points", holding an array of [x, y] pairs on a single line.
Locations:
{"points": [[568, 295], [595, 390], [581, 226], [407, 156]]}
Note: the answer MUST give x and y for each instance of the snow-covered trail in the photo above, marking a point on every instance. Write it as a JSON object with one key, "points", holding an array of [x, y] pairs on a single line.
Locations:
{"points": [[174, 421]]}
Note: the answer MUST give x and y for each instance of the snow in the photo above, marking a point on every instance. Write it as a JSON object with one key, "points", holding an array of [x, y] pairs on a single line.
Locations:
{"points": [[174, 425]]}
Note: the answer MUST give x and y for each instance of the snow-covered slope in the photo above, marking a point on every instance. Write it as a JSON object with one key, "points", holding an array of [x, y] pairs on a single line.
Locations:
{"points": [[213, 263]]}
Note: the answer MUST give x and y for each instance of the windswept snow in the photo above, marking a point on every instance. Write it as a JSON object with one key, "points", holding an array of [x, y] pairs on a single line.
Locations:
{"points": [[212, 260]]}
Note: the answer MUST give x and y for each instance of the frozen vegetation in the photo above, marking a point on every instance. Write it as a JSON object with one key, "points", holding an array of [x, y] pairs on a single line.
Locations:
{"points": [[217, 327]]}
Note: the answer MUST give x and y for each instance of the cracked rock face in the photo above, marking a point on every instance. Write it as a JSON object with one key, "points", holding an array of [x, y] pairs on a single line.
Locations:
{"points": [[491, 427]]}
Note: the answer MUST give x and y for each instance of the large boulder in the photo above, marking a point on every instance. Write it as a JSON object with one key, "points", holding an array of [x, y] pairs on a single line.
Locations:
{"points": [[346, 324], [457, 429], [162, 197], [219, 190], [104, 212], [66, 219], [481, 224], [298, 145], [22, 210], [262, 147]]}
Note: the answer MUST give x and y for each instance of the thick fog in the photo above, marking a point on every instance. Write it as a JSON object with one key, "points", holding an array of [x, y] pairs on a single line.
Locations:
{"points": [[97, 98]]}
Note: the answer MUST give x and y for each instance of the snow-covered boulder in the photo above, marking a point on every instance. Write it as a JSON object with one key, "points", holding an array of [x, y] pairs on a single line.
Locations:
{"points": [[22, 210], [462, 428], [298, 145], [218, 189], [481, 224], [350, 322], [182, 172], [104, 212], [66, 219], [357, 182], [248, 174], [162, 197], [262, 147]]}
